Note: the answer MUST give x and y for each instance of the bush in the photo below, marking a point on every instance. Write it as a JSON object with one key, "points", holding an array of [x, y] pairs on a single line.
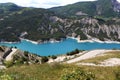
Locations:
{"points": [[44, 59], [78, 75], [17, 59], [53, 57], [15, 47], [8, 63], [76, 51], [26, 53]]}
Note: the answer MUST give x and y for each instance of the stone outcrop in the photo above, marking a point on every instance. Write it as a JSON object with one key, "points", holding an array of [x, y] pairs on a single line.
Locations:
{"points": [[116, 5]]}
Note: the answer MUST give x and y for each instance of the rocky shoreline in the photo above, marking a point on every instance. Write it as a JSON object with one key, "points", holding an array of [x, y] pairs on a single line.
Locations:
{"points": [[93, 40], [54, 41]]}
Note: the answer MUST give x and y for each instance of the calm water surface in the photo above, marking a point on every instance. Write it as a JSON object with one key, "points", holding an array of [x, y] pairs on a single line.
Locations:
{"points": [[63, 47]]}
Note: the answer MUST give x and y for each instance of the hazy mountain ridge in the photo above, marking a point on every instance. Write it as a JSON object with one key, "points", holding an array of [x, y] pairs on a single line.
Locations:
{"points": [[85, 20]]}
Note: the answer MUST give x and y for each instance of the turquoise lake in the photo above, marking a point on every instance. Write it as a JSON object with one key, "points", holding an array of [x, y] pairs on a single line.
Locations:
{"points": [[62, 47]]}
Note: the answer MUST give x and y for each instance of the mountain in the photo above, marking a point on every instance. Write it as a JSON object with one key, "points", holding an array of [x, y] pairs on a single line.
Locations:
{"points": [[8, 7], [95, 8], [74, 9], [26, 20], [84, 20]]}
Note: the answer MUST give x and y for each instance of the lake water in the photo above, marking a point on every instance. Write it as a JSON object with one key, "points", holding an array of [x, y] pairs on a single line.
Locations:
{"points": [[63, 47]]}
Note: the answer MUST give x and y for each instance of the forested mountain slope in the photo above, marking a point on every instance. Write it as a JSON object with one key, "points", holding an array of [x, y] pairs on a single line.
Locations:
{"points": [[85, 20]]}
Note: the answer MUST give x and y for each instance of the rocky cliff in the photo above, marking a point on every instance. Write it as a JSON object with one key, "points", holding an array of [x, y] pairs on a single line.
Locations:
{"points": [[116, 5], [89, 28]]}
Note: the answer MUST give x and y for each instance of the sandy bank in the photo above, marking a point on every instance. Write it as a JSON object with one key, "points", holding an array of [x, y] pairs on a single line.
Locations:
{"points": [[88, 55]]}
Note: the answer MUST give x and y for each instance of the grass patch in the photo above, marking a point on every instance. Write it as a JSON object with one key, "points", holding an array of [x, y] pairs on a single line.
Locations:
{"points": [[36, 72], [57, 71], [98, 59]]}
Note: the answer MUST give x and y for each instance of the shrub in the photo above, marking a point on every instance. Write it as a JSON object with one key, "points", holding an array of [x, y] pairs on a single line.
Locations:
{"points": [[44, 59], [78, 75], [8, 63], [26, 53], [15, 47], [76, 51], [17, 59], [53, 57]]}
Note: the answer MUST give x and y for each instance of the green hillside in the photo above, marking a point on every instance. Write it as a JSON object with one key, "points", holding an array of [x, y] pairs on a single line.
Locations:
{"points": [[60, 72], [29, 20], [71, 10], [6, 8], [95, 8]]}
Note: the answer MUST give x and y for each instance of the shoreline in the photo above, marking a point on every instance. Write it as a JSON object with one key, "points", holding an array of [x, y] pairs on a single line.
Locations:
{"points": [[93, 40], [56, 41], [9, 42], [35, 42]]}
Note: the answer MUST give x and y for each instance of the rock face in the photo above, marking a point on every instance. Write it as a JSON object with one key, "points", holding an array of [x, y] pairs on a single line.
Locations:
{"points": [[116, 5], [89, 28]]}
